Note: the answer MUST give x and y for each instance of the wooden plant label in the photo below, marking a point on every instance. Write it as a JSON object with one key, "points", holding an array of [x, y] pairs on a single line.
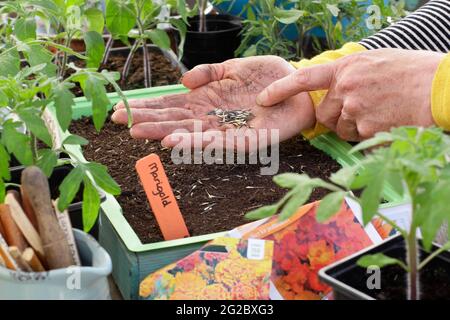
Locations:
{"points": [[161, 197]]}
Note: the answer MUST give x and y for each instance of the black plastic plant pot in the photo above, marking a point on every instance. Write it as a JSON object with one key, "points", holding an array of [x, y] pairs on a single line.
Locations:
{"points": [[217, 44], [75, 209], [352, 282]]}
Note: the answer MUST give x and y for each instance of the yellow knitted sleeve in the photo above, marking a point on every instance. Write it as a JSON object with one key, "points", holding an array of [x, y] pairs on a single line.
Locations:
{"points": [[440, 94], [317, 96]]}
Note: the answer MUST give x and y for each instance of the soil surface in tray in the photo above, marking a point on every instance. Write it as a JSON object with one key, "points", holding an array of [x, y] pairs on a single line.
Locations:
{"points": [[163, 72], [212, 198]]}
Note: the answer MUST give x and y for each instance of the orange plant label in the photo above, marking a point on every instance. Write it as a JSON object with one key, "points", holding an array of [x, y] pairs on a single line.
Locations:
{"points": [[161, 197]]}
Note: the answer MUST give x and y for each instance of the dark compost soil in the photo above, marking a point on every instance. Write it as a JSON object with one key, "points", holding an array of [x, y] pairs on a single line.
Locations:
{"points": [[212, 198], [434, 280], [163, 72]]}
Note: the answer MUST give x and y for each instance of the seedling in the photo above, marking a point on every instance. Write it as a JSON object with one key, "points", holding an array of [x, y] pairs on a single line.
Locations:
{"points": [[416, 164], [124, 15], [28, 87], [237, 118]]}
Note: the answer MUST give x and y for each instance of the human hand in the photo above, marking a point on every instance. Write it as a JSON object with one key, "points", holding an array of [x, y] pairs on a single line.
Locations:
{"points": [[231, 85], [368, 92]]}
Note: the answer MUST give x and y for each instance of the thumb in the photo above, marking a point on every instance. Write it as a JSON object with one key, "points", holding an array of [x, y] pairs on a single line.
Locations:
{"points": [[304, 79], [203, 74]]}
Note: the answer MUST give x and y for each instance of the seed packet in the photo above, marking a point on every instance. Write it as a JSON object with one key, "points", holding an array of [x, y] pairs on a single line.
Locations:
{"points": [[224, 269], [302, 246]]}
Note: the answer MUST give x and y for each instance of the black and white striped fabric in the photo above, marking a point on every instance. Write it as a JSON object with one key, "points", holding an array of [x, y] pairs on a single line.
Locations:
{"points": [[428, 28]]}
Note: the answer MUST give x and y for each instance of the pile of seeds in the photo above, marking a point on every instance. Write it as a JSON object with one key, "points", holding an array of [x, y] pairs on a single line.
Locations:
{"points": [[237, 118]]}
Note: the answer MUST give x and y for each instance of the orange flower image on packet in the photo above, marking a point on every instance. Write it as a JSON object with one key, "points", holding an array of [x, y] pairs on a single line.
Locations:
{"points": [[224, 269]]}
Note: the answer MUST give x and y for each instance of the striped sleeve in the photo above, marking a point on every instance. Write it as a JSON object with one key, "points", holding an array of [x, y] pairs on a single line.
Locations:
{"points": [[428, 28]]}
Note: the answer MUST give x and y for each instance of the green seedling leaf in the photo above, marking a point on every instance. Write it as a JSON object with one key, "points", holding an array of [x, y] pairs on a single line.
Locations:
{"points": [[36, 125], [102, 178], [288, 16], [47, 161], [17, 143], [380, 260], [95, 48], [379, 139], [2, 191], [9, 63], [344, 177], [95, 20], [261, 213], [371, 196], [36, 55], [159, 38], [69, 187], [25, 28], [180, 25], [330, 205], [291, 180], [119, 17], [4, 164], [64, 101], [295, 202], [93, 86], [75, 140], [91, 204]]}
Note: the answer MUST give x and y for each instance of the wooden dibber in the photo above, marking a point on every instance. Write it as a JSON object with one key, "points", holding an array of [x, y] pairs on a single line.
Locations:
{"points": [[17, 255], [56, 248], [12, 233], [24, 224], [66, 226], [30, 257]]}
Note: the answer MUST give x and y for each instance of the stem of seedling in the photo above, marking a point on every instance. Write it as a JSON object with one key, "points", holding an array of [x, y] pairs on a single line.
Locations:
{"points": [[62, 70], [147, 67], [126, 67], [107, 50], [412, 251], [202, 16]]}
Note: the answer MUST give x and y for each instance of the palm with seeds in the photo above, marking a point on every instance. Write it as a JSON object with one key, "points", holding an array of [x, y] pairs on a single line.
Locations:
{"points": [[232, 85]]}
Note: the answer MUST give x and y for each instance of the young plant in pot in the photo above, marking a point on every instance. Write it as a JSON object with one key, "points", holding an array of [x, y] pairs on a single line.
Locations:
{"points": [[142, 22], [76, 24], [211, 38], [416, 162], [38, 103]]}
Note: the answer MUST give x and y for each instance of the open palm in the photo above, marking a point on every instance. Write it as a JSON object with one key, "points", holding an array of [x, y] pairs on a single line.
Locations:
{"points": [[232, 85]]}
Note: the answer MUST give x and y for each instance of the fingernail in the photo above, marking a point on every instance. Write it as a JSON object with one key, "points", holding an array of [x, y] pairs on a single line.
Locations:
{"points": [[261, 98]]}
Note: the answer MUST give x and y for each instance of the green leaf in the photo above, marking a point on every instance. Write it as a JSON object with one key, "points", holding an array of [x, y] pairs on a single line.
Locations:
{"points": [[262, 212], [25, 28], [47, 161], [330, 205], [91, 205], [159, 38], [36, 125], [63, 98], [288, 16], [94, 90], [95, 48], [102, 178], [119, 17], [295, 201], [75, 140], [2, 191], [371, 196], [291, 180], [69, 187], [380, 260], [180, 25], [344, 177], [4, 163], [95, 20], [17, 143], [36, 55], [379, 139], [334, 9], [9, 63]]}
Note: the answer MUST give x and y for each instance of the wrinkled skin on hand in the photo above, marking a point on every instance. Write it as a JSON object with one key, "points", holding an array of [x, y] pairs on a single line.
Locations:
{"points": [[368, 92], [232, 85]]}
